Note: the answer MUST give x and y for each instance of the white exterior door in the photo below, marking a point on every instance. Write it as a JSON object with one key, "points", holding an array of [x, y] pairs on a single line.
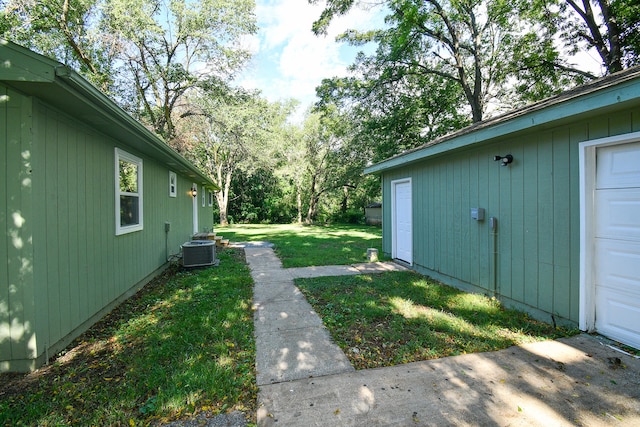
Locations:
{"points": [[402, 232], [195, 210], [616, 270]]}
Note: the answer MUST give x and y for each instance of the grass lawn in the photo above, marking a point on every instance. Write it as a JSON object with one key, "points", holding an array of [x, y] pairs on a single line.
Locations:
{"points": [[183, 345], [394, 318], [303, 246]]}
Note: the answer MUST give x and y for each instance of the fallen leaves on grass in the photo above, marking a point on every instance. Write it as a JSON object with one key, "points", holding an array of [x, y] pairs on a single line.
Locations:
{"points": [[394, 318], [153, 359]]}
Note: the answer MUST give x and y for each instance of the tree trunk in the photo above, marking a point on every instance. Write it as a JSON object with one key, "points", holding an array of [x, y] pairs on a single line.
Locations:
{"points": [[345, 199], [222, 196], [299, 202], [222, 206], [313, 202], [313, 210], [607, 45]]}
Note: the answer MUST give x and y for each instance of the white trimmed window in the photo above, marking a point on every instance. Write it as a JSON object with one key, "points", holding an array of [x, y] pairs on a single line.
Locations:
{"points": [[210, 197], [128, 182], [203, 196], [173, 184]]}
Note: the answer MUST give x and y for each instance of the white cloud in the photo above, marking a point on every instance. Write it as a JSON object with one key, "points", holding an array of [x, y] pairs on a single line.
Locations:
{"points": [[283, 20], [290, 60]]}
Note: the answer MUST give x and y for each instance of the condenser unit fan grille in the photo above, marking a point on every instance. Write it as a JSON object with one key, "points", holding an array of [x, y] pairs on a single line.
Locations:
{"points": [[198, 253]]}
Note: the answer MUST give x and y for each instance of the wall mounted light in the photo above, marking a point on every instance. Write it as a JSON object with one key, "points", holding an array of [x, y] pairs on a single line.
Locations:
{"points": [[194, 191], [505, 160]]}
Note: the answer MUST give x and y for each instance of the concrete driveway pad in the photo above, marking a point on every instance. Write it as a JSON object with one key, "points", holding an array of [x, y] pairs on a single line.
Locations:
{"points": [[553, 383], [305, 379]]}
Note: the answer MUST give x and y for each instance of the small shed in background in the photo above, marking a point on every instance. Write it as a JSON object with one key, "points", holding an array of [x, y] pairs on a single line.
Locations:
{"points": [[373, 214]]}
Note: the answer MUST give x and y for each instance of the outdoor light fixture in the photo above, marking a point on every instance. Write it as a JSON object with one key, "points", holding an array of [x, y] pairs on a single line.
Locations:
{"points": [[194, 191], [505, 160]]}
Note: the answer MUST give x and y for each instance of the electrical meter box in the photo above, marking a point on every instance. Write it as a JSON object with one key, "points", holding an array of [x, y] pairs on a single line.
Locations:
{"points": [[477, 214]]}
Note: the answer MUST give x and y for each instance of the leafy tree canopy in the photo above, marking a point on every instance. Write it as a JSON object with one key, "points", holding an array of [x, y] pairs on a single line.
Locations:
{"points": [[441, 64], [146, 53]]}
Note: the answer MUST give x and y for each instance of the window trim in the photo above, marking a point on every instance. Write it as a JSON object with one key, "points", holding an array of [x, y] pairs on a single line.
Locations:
{"points": [[210, 197], [204, 197], [173, 184], [123, 155]]}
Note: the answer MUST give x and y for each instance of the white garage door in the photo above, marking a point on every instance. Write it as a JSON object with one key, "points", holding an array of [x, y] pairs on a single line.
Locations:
{"points": [[617, 243], [402, 221]]}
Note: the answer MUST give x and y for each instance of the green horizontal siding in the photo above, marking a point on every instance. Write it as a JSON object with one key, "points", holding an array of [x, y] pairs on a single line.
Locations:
{"points": [[535, 201]]}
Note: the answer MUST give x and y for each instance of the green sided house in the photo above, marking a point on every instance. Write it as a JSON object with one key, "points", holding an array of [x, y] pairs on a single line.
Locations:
{"points": [[92, 205], [539, 207]]}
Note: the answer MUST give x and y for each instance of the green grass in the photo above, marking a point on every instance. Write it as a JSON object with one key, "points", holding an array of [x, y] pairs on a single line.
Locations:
{"points": [[182, 345], [303, 246], [394, 318]]}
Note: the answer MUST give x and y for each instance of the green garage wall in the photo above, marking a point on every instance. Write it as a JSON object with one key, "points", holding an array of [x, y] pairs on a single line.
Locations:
{"points": [[535, 266]]}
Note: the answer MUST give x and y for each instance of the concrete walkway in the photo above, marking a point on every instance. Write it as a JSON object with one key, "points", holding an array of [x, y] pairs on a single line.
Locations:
{"points": [[305, 379], [291, 341]]}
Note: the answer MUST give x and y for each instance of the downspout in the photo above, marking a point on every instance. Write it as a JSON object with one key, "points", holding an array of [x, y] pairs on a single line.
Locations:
{"points": [[493, 225], [167, 228]]}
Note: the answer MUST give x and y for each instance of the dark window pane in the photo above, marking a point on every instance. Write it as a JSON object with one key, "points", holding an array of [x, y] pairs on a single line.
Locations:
{"points": [[129, 212]]}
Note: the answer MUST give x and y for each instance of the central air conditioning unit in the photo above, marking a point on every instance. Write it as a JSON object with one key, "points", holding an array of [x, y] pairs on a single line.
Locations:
{"points": [[198, 253]]}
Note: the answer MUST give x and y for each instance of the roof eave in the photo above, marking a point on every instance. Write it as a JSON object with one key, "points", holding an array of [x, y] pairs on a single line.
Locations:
{"points": [[154, 146], [70, 90]]}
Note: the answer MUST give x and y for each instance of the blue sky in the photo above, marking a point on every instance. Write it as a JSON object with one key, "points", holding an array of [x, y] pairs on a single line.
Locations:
{"points": [[289, 60]]}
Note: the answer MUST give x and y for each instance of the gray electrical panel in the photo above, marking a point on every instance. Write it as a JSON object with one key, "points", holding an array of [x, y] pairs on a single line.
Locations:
{"points": [[477, 214]]}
